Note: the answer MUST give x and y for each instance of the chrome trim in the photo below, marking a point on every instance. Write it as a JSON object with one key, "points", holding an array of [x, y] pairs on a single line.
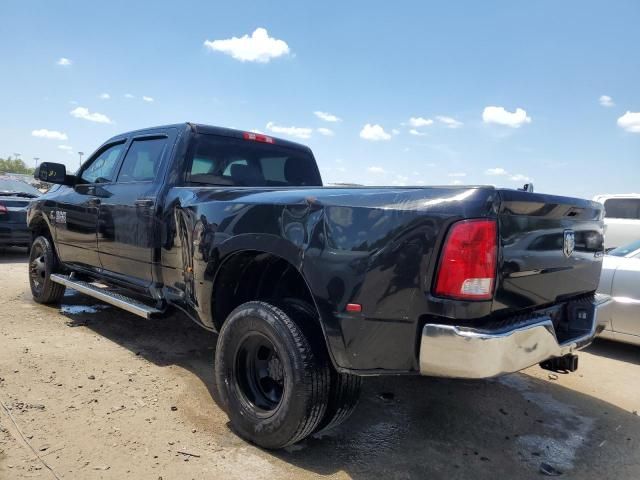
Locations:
{"points": [[112, 298], [459, 352]]}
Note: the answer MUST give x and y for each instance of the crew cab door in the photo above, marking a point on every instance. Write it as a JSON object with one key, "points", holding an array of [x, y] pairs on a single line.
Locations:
{"points": [[76, 212], [128, 232]]}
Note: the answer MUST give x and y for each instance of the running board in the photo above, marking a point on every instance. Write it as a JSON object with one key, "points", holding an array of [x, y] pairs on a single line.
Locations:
{"points": [[112, 298]]}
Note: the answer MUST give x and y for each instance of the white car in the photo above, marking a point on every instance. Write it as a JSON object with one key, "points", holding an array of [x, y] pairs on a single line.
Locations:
{"points": [[621, 218], [621, 279]]}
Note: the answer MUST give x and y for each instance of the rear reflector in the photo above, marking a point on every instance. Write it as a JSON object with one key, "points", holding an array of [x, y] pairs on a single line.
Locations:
{"points": [[257, 137], [468, 262], [3, 209], [353, 307]]}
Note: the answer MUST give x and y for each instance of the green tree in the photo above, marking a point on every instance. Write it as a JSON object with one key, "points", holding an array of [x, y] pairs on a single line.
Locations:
{"points": [[11, 165]]}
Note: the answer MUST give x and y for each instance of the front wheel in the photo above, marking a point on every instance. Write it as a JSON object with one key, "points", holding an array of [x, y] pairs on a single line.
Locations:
{"points": [[272, 380], [42, 263]]}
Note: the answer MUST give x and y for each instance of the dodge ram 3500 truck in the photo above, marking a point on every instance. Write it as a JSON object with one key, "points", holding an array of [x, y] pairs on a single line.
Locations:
{"points": [[309, 287]]}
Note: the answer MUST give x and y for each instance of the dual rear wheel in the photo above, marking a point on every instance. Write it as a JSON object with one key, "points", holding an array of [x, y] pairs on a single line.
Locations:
{"points": [[274, 376]]}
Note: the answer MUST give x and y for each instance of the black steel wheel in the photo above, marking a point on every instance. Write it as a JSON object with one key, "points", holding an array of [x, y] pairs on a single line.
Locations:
{"points": [[42, 263], [260, 373]]}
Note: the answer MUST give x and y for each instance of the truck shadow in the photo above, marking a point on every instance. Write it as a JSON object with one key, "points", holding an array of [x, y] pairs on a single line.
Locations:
{"points": [[416, 427]]}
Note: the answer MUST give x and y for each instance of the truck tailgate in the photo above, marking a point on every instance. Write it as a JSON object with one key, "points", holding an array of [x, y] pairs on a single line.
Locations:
{"points": [[551, 249]]}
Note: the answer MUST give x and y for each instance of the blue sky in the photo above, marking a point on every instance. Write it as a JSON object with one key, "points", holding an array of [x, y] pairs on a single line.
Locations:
{"points": [[521, 82]]}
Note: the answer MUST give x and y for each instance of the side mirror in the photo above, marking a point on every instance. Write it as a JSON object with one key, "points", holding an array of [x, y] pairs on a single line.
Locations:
{"points": [[51, 173]]}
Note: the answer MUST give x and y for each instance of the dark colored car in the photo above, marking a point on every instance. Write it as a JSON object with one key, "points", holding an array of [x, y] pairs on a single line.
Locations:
{"points": [[15, 196], [311, 288]]}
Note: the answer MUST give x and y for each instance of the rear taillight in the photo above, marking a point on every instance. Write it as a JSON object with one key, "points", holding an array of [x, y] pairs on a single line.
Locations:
{"points": [[257, 137], [468, 262], [3, 209]]}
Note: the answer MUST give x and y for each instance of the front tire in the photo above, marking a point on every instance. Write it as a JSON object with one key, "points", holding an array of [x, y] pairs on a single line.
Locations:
{"points": [[272, 381], [42, 263]]}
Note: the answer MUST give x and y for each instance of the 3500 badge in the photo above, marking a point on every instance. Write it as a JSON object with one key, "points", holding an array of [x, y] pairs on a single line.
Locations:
{"points": [[57, 216]]}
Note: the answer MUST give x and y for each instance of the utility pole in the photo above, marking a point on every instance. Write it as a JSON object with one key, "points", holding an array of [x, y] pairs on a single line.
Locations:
{"points": [[80, 155], [36, 160]]}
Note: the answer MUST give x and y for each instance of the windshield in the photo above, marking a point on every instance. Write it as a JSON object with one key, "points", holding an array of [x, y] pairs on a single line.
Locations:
{"points": [[217, 160], [626, 249], [8, 185]]}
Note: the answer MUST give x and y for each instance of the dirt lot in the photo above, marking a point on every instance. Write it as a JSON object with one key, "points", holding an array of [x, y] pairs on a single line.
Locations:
{"points": [[99, 393]]}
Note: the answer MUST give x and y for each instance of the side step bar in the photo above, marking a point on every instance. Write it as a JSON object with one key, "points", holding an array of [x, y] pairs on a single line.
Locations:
{"points": [[112, 298]]}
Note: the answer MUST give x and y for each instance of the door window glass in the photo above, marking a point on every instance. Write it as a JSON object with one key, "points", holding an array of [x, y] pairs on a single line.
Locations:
{"points": [[102, 168], [142, 161], [622, 208]]}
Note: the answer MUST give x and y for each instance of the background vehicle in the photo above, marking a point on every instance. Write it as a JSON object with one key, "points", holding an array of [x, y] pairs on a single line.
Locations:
{"points": [[310, 287], [14, 198], [621, 279], [621, 218]]}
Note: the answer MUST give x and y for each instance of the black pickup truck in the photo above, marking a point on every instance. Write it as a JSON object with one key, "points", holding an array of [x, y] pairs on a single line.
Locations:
{"points": [[309, 287]]}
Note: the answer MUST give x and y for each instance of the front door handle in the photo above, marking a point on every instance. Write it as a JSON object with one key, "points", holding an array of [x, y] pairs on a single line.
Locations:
{"points": [[144, 202], [93, 202]]}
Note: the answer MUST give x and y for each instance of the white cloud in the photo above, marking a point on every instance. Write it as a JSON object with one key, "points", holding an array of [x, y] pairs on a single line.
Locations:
{"points": [[457, 174], [298, 132], [64, 62], [147, 99], [450, 122], [417, 133], [65, 147], [499, 171], [327, 117], [85, 114], [501, 116], [606, 101], [417, 122], [128, 95], [259, 47], [496, 171], [49, 134], [456, 182], [325, 131], [374, 133], [105, 96], [376, 170], [395, 131], [630, 121]]}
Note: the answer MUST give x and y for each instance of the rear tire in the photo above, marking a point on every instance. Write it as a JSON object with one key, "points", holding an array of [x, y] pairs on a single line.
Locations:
{"points": [[42, 263], [344, 389], [344, 396], [272, 381]]}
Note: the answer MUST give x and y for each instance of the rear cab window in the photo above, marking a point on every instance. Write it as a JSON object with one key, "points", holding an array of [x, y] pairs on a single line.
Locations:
{"points": [[230, 161], [627, 208]]}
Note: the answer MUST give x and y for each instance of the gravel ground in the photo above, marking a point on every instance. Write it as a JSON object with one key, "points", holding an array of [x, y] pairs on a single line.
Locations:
{"points": [[98, 393]]}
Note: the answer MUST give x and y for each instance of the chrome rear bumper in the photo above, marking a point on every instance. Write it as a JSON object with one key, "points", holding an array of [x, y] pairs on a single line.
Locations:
{"points": [[459, 352]]}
